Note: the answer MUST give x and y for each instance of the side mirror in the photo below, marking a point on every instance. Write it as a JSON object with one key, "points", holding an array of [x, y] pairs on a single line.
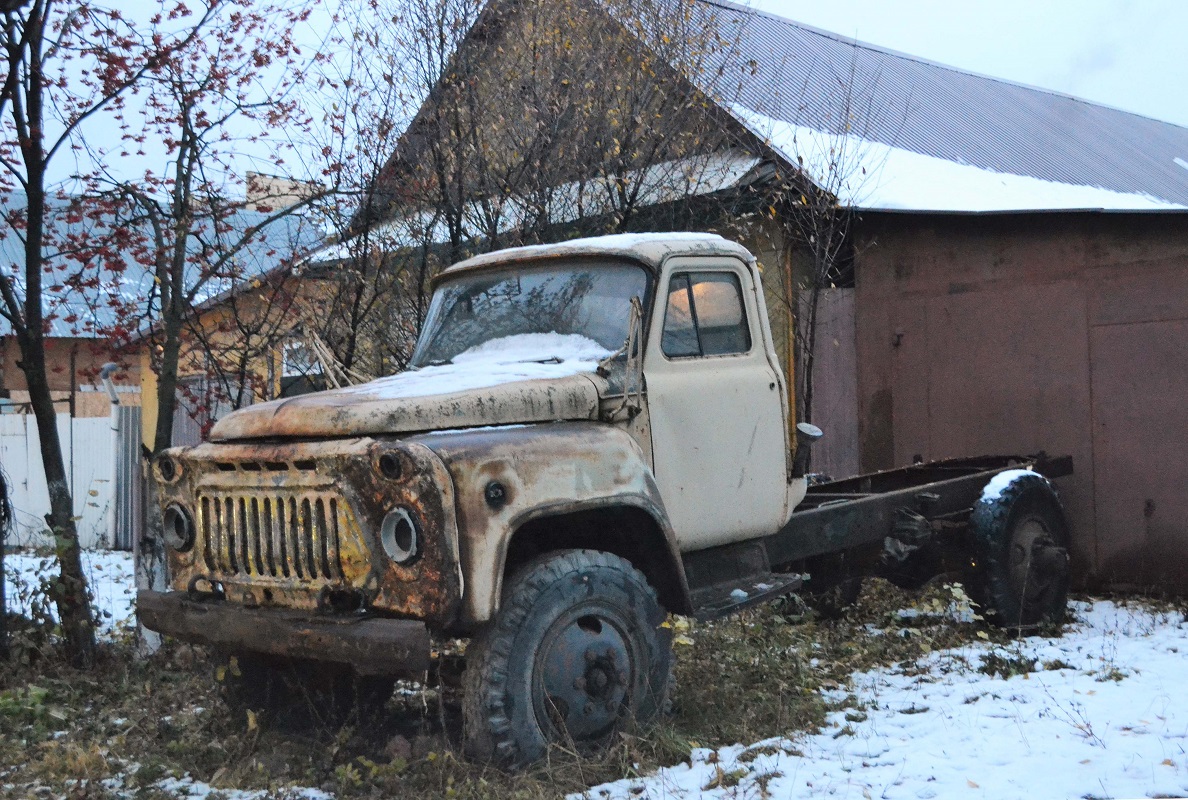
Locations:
{"points": [[806, 434]]}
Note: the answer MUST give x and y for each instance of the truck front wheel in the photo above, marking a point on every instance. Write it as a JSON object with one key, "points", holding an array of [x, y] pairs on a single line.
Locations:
{"points": [[1022, 546], [575, 651]]}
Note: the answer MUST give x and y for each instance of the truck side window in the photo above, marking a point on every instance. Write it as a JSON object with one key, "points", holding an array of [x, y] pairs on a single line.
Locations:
{"points": [[705, 316]]}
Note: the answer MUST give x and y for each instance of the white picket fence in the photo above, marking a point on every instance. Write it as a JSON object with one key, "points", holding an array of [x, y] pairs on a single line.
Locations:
{"points": [[89, 447]]}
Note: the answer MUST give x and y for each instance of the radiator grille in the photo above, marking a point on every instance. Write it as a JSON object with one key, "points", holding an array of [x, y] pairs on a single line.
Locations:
{"points": [[274, 535]]}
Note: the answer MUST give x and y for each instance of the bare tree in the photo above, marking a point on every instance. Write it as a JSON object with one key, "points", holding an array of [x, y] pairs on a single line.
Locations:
{"points": [[813, 199]]}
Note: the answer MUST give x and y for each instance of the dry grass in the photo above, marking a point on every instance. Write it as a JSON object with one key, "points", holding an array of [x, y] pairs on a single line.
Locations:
{"points": [[133, 723]]}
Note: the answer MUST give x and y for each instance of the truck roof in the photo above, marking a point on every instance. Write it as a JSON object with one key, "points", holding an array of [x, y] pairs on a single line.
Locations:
{"points": [[651, 249]]}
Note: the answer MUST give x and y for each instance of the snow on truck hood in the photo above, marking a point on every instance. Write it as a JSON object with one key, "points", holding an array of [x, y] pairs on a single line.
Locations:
{"points": [[516, 379]]}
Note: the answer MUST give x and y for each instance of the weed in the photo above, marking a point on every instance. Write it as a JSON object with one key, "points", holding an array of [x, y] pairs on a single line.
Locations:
{"points": [[762, 780], [1112, 674], [1006, 665], [751, 753], [725, 779]]}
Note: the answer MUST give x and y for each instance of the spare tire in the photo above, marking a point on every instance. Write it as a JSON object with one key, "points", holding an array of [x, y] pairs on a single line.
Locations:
{"points": [[1021, 540]]}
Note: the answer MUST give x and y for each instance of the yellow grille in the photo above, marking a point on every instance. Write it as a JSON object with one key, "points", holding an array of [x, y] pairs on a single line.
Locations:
{"points": [[275, 534]]}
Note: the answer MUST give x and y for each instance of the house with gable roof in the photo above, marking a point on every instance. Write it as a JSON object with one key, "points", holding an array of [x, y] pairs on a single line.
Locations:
{"points": [[1016, 268]]}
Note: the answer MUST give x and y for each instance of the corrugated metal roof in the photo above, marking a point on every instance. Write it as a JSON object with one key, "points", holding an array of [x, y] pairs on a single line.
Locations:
{"points": [[93, 311], [813, 78]]}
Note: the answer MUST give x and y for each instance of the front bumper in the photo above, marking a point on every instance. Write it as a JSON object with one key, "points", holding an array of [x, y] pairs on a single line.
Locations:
{"points": [[372, 645]]}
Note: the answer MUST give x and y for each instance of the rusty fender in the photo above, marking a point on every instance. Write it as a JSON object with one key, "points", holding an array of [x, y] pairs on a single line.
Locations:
{"points": [[540, 470]]}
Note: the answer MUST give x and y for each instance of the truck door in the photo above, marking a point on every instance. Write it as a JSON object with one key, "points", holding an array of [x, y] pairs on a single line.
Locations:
{"points": [[716, 405]]}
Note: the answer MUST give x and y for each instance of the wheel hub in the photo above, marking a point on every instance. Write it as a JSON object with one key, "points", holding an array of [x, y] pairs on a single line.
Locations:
{"points": [[1036, 564], [582, 677]]}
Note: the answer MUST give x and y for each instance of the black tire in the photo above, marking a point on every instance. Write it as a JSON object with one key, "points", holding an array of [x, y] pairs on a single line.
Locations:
{"points": [[294, 693], [575, 652], [1021, 538]]}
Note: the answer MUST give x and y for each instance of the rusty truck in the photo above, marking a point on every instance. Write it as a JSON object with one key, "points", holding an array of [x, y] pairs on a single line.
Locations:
{"points": [[591, 436]]}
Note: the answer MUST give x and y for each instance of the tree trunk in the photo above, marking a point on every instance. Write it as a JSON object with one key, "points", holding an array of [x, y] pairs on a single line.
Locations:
{"points": [[69, 591], [167, 383], [4, 518]]}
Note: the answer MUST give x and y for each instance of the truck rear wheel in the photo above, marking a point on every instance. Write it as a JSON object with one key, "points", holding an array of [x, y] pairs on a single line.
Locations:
{"points": [[575, 651], [1022, 540]]}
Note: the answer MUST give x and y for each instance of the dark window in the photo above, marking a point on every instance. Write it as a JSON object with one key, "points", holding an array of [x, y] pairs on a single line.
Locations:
{"points": [[705, 316]]}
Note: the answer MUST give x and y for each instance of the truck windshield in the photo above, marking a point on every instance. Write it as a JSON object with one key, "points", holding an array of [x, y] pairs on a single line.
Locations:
{"points": [[587, 298]]}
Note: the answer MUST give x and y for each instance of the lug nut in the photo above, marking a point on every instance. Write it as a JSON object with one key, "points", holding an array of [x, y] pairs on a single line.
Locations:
{"points": [[610, 705], [589, 709], [580, 684]]}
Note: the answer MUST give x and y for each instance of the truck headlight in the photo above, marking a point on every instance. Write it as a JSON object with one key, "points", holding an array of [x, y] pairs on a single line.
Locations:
{"points": [[168, 469], [398, 535], [179, 528]]}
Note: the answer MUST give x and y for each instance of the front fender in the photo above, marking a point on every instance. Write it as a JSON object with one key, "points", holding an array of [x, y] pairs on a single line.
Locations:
{"points": [[545, 469]]}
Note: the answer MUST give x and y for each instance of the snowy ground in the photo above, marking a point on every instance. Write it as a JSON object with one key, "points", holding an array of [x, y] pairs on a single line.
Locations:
{"points": [[1099, 712], [1104, 714], [111, 577]]}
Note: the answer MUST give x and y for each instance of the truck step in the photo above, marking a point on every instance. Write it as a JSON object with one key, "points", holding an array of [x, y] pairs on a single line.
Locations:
{"points": [[721, 599]]}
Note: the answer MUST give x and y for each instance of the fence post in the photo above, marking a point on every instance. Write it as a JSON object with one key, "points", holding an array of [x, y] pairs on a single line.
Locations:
{"points": [[5, 518], [112, 515]]}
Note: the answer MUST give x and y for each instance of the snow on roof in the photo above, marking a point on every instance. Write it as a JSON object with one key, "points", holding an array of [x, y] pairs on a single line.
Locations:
{"points": [[122, 296], [651, 248], [875, 176], [945, 139]]}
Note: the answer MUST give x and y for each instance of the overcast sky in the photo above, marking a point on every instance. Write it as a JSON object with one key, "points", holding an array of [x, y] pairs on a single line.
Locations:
{"points": [[1130, 54]]}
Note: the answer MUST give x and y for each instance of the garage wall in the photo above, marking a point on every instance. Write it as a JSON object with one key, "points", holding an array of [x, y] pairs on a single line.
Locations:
{"points": [[1016, 333]]}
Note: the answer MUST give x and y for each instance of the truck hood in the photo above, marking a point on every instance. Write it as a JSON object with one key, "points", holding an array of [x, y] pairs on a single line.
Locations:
{"points": [[423, 400]]}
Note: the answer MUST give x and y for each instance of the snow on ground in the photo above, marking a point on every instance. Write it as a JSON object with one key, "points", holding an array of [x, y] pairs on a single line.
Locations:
{"points": [[873, 175], [110, 573], [522, 357], [1104, 714]]}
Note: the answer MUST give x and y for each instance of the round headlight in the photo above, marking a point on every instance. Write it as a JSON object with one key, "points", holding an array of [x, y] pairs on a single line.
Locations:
{"points": [[390, 466], [179, 528], [168, 469], [398, 535]]}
